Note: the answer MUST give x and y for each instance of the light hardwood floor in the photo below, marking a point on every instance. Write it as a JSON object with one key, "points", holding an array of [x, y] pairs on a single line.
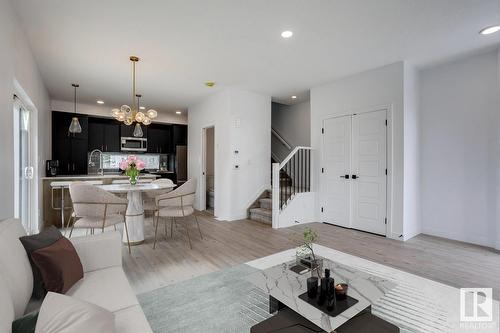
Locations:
{"points": [[231, 243]]}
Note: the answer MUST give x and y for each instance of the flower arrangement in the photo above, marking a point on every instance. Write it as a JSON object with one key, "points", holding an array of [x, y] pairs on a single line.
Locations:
{"points": [[132, 166]]}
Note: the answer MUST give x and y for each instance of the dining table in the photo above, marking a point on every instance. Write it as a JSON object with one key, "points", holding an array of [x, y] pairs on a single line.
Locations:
{"points": [[134, 216]]}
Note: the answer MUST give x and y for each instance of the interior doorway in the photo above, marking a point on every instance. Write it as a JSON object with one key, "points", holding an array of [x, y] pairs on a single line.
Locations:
{"points": [[208, 170]]}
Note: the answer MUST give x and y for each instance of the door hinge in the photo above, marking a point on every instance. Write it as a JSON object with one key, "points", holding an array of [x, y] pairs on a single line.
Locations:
{"points": [[386, 220], [323, 131], [322, 170], [322, 209], [386, 171], [386, 122]]}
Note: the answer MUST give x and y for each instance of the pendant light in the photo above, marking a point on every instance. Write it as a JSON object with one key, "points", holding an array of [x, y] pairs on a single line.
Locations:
{"points": [[75, 127], [130, 115], [138, 129]]}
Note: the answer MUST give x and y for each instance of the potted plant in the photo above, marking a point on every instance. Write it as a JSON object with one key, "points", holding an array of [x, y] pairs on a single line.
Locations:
{"points": [[132, 167], [305, 253]]}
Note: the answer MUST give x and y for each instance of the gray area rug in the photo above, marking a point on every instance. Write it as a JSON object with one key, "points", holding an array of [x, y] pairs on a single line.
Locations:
{"points": [[217, 302]]}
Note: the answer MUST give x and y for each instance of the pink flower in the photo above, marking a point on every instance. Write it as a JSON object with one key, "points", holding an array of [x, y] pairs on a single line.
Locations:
{"points": [[140, 165], [131, 158], [123, 165]]}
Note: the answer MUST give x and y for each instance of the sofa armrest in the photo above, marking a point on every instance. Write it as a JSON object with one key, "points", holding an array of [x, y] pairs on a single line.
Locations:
{"points": [[99, 251]]}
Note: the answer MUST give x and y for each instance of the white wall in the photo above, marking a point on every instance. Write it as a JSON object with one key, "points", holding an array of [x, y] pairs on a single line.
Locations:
{"points": [[459, 149], [293, 122], [412, 209], [370, 90], [105, 111], [497, 154], [242, 122], [18, 65]]}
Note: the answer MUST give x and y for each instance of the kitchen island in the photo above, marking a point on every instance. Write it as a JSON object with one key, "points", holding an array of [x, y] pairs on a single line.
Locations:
{"points": [[50, 198]]}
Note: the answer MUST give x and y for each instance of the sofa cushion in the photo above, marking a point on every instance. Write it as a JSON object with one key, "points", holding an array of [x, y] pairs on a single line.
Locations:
{"points": [[34, 242], [14, 265], [59, 265], [108, 288], [63, 314], [6, 307], [131, 320]]}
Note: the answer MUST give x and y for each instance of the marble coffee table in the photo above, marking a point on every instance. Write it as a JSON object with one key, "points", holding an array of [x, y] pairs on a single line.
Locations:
{"points": [[412, 303]]}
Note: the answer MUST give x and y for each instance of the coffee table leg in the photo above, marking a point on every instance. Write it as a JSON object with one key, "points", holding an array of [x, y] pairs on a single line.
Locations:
{"points": [[134, 218]]}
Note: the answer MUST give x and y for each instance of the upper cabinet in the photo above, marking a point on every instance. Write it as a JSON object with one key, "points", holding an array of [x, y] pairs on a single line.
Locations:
{"points": [[160, 139], [180, 135], [104, 134]]}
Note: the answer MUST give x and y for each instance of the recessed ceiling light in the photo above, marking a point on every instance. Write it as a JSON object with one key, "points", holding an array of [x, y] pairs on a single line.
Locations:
{"points": [[178, 112], [100, 102], [287, 34], [490, 30], [294, 97], [142, 108]]}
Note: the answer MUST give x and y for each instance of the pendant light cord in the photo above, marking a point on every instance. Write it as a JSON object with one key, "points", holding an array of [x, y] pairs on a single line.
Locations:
{"points": [[75, 100]]}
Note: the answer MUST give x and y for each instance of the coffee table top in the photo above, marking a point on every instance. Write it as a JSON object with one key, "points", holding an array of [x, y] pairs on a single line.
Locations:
{"points": [[286, 286], [416, 304]]}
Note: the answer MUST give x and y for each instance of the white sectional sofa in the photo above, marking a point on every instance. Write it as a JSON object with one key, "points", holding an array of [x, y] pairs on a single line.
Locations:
{"points": [[104, 282]]}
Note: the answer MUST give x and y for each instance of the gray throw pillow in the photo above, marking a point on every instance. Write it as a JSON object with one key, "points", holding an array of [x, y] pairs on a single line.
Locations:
{"points": [[35, 242]]}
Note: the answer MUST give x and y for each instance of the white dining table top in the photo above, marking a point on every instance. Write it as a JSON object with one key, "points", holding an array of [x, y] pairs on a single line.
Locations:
{"points": [[143, 187]]}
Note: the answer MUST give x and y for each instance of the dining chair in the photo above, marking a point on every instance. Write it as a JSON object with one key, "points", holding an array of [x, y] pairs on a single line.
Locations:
{"points": [[95, 208], [149, 203], [177, 204]]}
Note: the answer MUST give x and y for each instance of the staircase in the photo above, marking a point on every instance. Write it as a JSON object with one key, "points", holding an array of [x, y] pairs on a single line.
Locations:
{"points": [[261, 210]]}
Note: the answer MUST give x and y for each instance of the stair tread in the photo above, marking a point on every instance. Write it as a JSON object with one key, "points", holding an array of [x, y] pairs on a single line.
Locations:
{"points": [[266, 199], [262, 211]]}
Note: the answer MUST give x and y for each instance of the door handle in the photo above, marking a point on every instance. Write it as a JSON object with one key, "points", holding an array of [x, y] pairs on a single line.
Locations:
{"points": [[354, 177], [346, 176]]}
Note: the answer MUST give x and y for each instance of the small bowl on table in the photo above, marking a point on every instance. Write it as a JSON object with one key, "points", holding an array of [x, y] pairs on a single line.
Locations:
{"points": [[341, 291]]}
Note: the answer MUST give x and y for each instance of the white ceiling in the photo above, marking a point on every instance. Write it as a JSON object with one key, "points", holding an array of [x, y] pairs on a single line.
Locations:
{"points": [[183, 43]]}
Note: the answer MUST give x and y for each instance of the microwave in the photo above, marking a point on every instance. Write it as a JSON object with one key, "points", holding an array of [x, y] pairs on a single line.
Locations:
{"points": [[133, 144]]}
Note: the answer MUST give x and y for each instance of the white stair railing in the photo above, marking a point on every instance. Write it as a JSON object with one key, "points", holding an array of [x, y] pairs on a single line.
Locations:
{"points": [[291, 176]]}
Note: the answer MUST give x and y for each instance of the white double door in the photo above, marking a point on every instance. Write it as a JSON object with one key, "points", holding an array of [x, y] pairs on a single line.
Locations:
{"points": [[353, 182]]}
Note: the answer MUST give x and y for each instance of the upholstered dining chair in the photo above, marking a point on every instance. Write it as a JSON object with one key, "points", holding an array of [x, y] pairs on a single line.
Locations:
{"points": [[177, 204], [95, 208], [149, 203]]}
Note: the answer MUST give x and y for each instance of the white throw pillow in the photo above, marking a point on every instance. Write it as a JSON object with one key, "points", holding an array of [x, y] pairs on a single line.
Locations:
{"points": [[64, 314]]}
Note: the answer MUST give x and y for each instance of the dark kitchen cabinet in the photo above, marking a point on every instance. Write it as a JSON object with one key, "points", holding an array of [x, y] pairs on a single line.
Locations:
{"points": [[70, 149], [104, 135], [160, 139], [180, 135], [96, 136]]}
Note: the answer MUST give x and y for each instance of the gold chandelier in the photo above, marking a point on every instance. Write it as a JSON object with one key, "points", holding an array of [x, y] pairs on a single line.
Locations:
{"points": [[130, 115]]}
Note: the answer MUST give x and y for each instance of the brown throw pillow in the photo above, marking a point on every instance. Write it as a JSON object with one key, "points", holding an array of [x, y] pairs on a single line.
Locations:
{"points": [[34, 242], [59, 266]]}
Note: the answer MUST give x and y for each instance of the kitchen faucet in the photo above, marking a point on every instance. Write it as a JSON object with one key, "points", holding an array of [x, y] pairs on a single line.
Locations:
{"points": [[92, 164]]}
